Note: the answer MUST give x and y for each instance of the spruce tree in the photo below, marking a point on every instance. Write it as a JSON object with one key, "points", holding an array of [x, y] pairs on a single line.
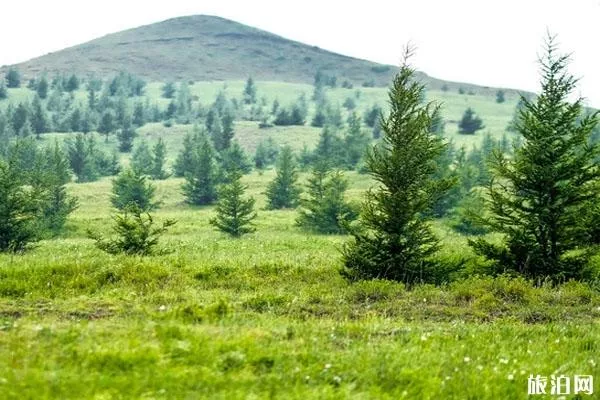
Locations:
{"points": [[234, 213], [470, 123], [57, 204], [142, 161], [159, 159], [356, 141], [39, 119], [42, 88], [13, 78], [325, 210], [394, 239], [184, 160], [126, 135], [3, 91], [18, 211], [107, 124], [200, 180], [250, 91], [283, 191], [130, 188], [538, 198], [81, 159]]}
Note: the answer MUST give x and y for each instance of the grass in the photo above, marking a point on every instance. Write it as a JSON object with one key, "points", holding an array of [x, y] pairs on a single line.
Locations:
{"points": [[268, 316]]}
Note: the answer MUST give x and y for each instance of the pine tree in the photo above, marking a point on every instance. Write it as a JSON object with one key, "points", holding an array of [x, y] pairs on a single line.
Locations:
{"points": [[18, 211], [39, 119], [356, 141], [42, 88], [394, 239], [325, 210], [13, 78], [133, 188], [126, 135], [185, 158], [539, 197], [250, 92], [107, 124], [142, 161], [283, 192], [235, 214], [159, 159], [470, 123], [57, 204], [81, 159], [200, 181], [234, 158]]}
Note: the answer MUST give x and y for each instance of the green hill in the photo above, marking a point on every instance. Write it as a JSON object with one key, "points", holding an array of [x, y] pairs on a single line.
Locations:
{"points": [[208, 48]]}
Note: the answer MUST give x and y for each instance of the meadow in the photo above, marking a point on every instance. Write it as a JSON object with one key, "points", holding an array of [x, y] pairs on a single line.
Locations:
{"points": [[269, 315]]}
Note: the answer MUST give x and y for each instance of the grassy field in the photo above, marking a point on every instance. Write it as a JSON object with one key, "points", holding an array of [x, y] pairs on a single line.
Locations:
{"points": [[269, 316]]}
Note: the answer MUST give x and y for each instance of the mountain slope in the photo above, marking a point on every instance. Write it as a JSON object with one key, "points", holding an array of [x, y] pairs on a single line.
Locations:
{"points": [[206, 48]]}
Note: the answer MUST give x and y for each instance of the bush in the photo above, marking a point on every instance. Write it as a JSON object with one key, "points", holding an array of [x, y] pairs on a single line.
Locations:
{"points": [[136, 233]]}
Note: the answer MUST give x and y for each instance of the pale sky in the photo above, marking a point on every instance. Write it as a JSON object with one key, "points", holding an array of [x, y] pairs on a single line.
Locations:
{"points": [[492, 43]]}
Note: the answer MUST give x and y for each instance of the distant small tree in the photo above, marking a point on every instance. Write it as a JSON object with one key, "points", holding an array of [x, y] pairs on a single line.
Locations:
{"points": [[201, 178], [159, 158], [355, 141], [372, 115], [57, 203], [72, 83], [3, 91], [349, 104], [235, 214], [168, 90], [470, 123], [107, 124], [136, 233], [325, 210], [250, 92], [500, 96], [13, 78], [42, 87], [129, 188], [142, 161], [81, 160], [283, 192], [234, 158], [126, 135], [39, 118]]}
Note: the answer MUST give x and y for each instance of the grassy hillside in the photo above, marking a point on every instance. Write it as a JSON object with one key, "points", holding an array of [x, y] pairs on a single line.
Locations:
{"points": [[206, 48], [495, 116]]}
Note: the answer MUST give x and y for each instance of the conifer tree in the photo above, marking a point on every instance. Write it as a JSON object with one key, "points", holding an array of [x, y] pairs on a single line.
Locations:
{"points": [[325, 210], [184, 160], [470, 123], [81, 159], [235, 214], [539, 197], [126, 134], [159, 159], [250, 91], [107, 124], [142, 161], [57, 204], [3, 91], [356, 141], [200, 180], [394, 239], [283, 191], [42, 88], [18, 211], [13, 78], [234, 157], [130, 188], [39, 119]]}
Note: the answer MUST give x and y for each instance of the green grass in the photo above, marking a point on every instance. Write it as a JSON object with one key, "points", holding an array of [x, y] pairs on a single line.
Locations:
{"points": [[269, 316]]}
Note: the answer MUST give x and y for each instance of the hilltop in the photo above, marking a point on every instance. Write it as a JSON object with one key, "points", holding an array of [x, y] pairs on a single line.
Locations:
{"points": [[209, 48]]}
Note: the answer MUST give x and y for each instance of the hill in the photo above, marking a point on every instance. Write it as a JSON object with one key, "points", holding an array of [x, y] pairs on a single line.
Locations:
{"points": [[209, 48]]}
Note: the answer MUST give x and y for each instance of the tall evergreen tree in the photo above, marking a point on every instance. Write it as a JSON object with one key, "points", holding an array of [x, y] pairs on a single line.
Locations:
{"points": [[107, 124], [235, 214], [42, 87], [283, 191], [81, 158], [39, 119], [13, 78], [356, 141], [539, 197], [394, 239], [126, 134]]}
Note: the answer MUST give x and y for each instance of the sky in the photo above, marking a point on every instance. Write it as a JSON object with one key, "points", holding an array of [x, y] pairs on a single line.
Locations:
{"points": [[491, 43]]}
